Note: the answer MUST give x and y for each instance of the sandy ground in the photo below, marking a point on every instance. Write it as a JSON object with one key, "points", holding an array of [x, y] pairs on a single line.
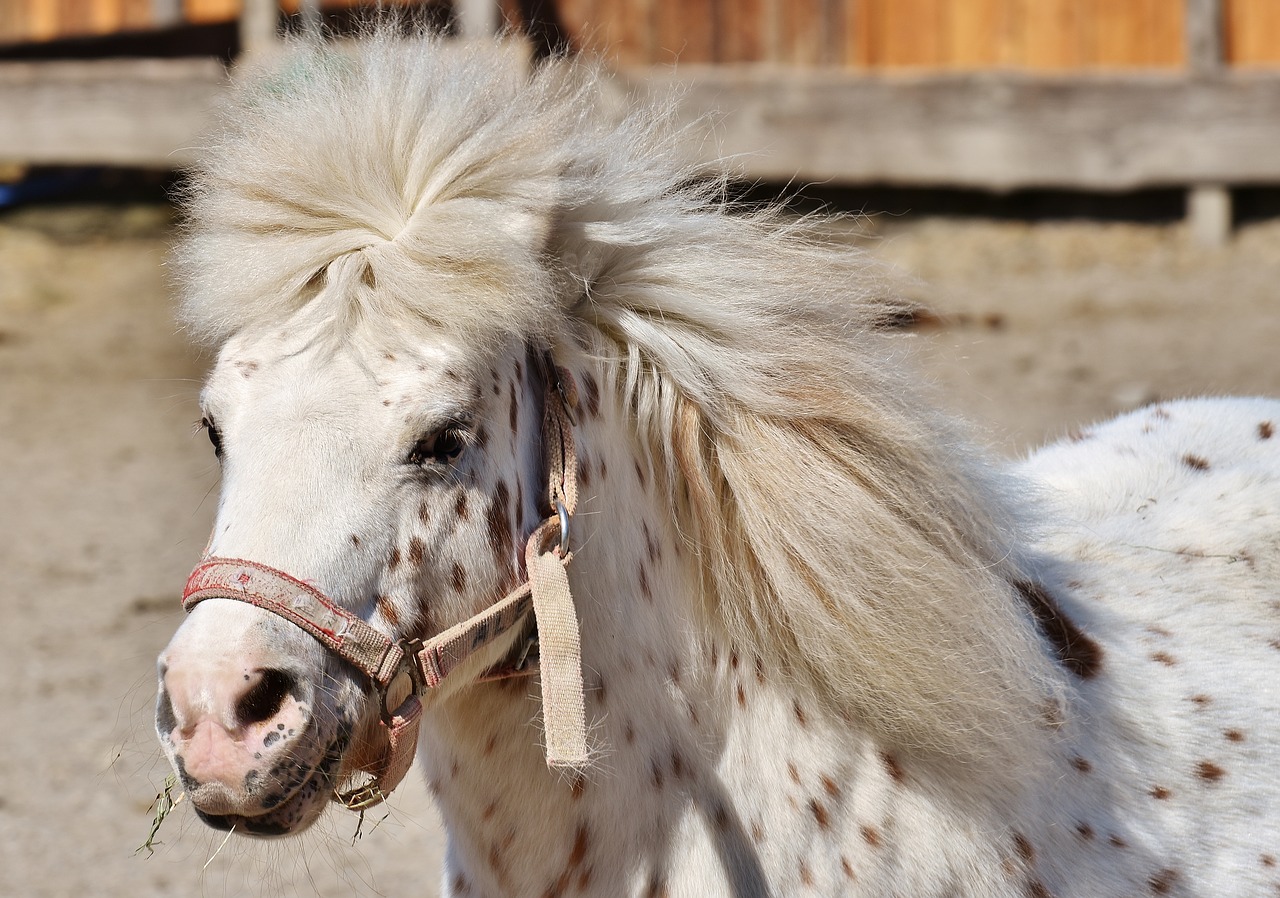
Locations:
{"points": [[106, 498]]}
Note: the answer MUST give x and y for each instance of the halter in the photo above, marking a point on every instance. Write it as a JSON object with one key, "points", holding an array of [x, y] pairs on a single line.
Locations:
{"points": [[403, 671]]}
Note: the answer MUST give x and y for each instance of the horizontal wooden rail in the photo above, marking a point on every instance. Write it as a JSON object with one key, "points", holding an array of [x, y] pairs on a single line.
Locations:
{"points": [[983, 131], [989, 132], [145, 113]]}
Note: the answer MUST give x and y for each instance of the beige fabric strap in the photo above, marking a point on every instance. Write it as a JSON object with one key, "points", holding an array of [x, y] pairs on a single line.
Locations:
{"points": [[560, 666], [559, 642]]}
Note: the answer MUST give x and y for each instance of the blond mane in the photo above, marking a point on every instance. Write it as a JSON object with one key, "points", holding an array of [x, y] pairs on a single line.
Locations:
{"points": [[845, 532]]}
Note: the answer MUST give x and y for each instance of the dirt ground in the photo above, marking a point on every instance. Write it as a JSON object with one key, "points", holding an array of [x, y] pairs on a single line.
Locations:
{"points": [[106, 496]]}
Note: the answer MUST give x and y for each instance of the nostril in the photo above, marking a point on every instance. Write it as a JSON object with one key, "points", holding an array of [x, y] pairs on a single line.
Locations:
{"points": [[265, 697]]}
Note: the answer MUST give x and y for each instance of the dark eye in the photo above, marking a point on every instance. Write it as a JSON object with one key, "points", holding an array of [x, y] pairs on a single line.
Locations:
{"points": [[441, 447], [215, 436]]}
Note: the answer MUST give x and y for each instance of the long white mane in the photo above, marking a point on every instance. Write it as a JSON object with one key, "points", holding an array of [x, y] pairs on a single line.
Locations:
{"points": [[845, 535]]}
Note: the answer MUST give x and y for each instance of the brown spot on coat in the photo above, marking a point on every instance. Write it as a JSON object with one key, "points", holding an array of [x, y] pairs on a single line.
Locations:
{"points": [[1117, 842], [388, 610], [1233, 736], [1076, 651], [720, 817], [417, 551], [655, 770], [1160, 793], [1037, 889], [1084, 831], [870, 835], [1201, 700], [458, 577], [1266, 430], [1268, 860], [1024, 848], [806, 876], [793, 772], [820, 815], [1081, 764], [592, 389], [355, 540], [799, 712], [513, 413], [460, 505], [578, 853], [501, 539], [830, 786], [424, 513], [892, 766], [1164, 658], [640, 475], [393, 561], [1209, 771], [1195, 462], [1162, 881], [846, 867]]}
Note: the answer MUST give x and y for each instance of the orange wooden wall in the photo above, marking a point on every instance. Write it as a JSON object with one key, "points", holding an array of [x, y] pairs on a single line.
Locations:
{"points": [[871, 35]]}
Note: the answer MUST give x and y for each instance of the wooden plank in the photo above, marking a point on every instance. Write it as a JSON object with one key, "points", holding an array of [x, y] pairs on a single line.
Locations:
{"points": [[977, 33], [907, 34], [1114, 34], [741, 28], [145, 113], [1052, 35], [1252, 33], [684, 31], [801, 33], [982, 131], [1167, 34], [856, 36]]}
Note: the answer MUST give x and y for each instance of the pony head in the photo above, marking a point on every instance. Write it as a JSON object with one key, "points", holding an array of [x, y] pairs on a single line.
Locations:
{"points": [[393, 248]]}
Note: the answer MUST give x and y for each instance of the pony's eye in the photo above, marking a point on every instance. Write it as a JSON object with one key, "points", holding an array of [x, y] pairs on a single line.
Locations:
{"points": [[441, 447], [215, 436]]}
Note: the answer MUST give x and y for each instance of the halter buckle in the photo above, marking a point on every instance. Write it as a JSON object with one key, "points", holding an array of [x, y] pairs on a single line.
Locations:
{"points": [[406, 681]]}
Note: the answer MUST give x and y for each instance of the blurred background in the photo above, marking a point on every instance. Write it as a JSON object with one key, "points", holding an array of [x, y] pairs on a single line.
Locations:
{"points": [[1081, 197]]}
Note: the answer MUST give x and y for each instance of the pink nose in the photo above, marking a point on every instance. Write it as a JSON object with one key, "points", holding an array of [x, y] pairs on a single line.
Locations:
{"points": [[228, 728]]}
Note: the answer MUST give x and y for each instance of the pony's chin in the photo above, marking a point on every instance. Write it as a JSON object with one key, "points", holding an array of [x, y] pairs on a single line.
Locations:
{"points": [[294, 814], [291, 817]]}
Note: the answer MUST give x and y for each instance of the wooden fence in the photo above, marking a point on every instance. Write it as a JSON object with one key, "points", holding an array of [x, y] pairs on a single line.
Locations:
{"points": [[988, 94]]}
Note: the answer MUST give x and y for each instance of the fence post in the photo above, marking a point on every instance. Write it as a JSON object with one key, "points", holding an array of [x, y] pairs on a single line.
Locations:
{"points": [[259, 20], [478, 19], [1208, 205]]}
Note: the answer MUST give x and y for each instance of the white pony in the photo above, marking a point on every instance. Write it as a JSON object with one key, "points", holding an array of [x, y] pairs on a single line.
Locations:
{"points": [[808, 640]]}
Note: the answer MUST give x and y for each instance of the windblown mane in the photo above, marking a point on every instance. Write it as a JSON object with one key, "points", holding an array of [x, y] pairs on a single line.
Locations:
{"points": [[845, 532]]}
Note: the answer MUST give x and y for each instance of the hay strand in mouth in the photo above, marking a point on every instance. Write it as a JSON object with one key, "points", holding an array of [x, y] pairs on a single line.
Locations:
{"points": [[161, 806]]}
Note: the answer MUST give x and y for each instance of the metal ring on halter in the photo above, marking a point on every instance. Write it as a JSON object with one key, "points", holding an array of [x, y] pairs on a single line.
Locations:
{"points": [[564, 527]]}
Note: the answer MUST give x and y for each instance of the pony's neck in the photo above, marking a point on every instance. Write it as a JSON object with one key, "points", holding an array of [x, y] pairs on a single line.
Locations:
{"points": [[711, 771]]}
